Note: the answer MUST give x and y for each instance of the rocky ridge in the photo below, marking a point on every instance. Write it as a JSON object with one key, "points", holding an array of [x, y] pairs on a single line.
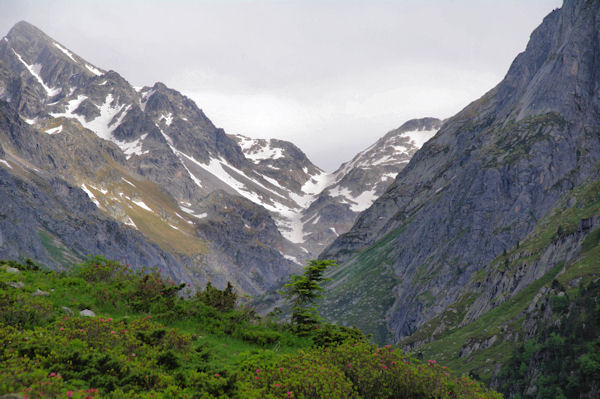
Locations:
{"points": [[478, 188]]}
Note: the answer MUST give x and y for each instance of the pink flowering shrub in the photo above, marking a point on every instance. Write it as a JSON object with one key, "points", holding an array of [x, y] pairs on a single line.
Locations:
{"points": [[149, 342], [355, 370]]}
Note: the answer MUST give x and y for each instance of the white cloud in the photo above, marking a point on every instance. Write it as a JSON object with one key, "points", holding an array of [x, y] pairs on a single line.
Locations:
{"points": [[329, 75]]}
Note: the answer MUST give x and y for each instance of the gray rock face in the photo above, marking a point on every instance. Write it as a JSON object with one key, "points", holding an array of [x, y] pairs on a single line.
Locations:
{"points": [[246, 235], [493, 170], [37, 222]]}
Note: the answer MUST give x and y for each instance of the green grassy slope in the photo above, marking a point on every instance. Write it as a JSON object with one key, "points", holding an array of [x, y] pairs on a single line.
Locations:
{"points": [[146, 341]]}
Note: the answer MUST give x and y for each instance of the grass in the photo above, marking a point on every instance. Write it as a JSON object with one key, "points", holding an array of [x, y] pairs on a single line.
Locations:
{"points": [[364, 285], [146, 341], [57, 251]]}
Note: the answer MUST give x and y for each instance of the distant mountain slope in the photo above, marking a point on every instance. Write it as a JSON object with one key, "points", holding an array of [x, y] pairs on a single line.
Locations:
{"points": [[358, 183], [477, 189], [149, 158]]}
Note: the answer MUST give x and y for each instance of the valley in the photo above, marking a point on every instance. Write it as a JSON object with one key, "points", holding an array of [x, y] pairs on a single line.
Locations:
{"points": [[471, 241]]}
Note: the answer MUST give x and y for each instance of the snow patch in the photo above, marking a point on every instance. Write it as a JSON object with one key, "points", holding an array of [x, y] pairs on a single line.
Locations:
{"points": [[55, 130], [65, 51], [388, 176], [5, 162], [133, 147], [35, 71], [127, 181], [357, 204], [145, 97], [257, 150], [419, 137], [178, 154], [90, 194], [168, 118], [273, 182], [317, 183], [363, 201], [292, 258], [191, 212], [94, 70], [142, 205], [30, 121], [129, 222], [104, 125]]}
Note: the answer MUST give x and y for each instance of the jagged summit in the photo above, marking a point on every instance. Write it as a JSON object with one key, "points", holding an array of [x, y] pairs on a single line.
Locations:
{"points": [[420, 124], [25, 30]]}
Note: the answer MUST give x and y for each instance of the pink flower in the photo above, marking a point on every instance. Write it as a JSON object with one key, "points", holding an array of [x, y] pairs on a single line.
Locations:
{"points": [[113, 332], [62, 329], [278, 385], [258, 370], [133, 354], [69, 394], [216, 375], [52, 374], [256, 378]]}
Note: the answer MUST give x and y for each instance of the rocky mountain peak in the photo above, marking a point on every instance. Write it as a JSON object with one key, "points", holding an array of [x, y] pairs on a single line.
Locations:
{"points": [[26, 32], [418, 125]]}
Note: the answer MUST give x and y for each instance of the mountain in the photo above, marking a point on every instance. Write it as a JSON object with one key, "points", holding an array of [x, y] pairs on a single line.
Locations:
{"points": [[147, 158], [225, 207], [356, 184], [457, 258]]}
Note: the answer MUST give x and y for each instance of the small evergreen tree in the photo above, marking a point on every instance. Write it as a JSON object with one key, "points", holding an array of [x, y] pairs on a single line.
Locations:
{"points": [[303, 291], [222, 300]]}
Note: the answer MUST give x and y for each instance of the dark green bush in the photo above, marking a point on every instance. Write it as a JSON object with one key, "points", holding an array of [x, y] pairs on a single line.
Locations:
{"points": [[222, 300]]}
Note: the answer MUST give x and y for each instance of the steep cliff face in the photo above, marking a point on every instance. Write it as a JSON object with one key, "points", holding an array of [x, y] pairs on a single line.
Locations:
{"points": [[480, 185]]}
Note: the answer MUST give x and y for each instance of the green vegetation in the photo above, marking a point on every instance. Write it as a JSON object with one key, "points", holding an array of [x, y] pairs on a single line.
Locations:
{"points": [[303, 291], [482, 346], [563, 360], [151, 337], [360, 291]]}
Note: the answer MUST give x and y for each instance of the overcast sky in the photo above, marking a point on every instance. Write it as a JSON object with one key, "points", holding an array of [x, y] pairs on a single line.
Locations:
{"points": [[330, 76]]}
